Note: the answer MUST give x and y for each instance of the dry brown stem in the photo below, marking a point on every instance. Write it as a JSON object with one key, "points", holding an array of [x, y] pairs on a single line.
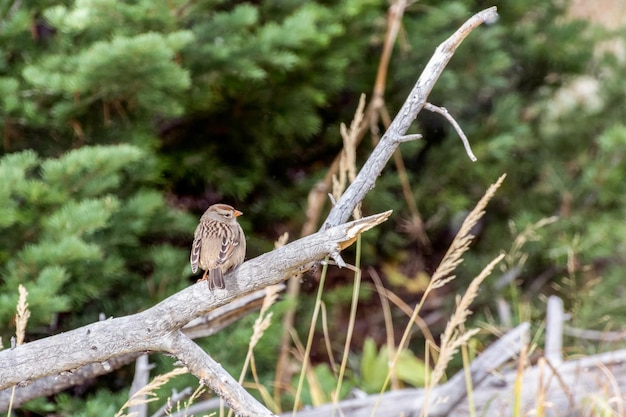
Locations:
{"points": [[158, 329]]}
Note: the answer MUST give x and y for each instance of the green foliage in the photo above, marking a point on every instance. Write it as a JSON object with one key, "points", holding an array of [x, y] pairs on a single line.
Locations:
{"points": [[375, 367], [94, 74], [102, 402], [78, 227], [240, 101], [319, 386]]}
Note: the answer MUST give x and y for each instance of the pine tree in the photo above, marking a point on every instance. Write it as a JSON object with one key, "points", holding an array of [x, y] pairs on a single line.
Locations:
{"points": [[114, 112], [85, 233]]}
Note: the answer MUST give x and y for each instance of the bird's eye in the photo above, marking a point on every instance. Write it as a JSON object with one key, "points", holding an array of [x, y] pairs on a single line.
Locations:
{"points": [[228, 215]]}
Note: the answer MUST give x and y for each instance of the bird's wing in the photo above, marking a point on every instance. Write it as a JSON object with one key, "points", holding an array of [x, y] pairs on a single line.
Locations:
{"points": [[196, 246], [229, 242]]}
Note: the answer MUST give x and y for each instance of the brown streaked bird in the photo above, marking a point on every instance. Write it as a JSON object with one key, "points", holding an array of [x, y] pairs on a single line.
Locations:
{"points": [[219, 244]]}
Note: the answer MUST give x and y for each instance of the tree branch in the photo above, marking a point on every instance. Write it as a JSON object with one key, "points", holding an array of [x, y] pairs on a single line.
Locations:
{"points": [[373, 167], [211, 374], [203, 326], [444, 112], [157, 329]]}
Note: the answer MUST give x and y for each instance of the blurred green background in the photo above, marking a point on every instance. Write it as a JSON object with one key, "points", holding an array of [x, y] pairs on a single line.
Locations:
{"points": [[122, 121]]}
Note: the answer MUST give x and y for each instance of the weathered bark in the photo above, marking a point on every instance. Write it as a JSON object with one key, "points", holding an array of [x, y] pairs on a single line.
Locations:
{"points": [[159, 328]]}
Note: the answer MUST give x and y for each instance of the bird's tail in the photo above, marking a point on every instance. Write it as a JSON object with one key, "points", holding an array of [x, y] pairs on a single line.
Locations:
{"points": [[216, 279]]}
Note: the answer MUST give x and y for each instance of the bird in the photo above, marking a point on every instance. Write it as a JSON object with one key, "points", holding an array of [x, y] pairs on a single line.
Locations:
{"points": [[219, 244]]}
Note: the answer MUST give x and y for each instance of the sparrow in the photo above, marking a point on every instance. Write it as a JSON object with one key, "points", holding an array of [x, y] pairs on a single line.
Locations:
{"points": [[219, 244]]}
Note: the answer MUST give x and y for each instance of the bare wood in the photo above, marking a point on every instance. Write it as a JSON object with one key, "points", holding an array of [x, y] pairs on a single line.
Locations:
{"points": [[206, 325], [409, 402], [595, 335], [156, 329], [212, 374], [374, 165], [567, 389], [444, 112], [140, 380], [561, 390], [555, 317]]}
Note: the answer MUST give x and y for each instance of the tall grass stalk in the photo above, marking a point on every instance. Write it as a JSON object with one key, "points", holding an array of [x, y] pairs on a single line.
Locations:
{"points": [[21, 321], [351, 321], [384, 296], [148, 393], [517, 390], [261, 324], [468, 381], [309, 342], [442, 276]]}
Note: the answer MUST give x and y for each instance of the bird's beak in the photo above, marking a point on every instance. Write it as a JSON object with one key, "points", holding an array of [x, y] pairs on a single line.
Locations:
{"points": [[237, 213]]}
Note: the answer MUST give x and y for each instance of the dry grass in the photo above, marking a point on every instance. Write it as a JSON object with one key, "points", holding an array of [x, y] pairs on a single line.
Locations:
{"points": [[307, 349], [149, 393], [347, 160], [261, 324], [21, 321], [23, 314], [453, 338]]}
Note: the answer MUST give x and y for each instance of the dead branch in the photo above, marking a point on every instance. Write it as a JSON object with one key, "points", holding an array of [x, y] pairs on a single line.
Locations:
{"points": [[203, 326], [396, 133], [444, 112], [443, 398], [375, 109], [158, 329]]}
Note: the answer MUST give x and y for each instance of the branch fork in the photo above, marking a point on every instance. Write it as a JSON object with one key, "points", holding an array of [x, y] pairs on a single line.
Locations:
{"points": [[159, 328]]}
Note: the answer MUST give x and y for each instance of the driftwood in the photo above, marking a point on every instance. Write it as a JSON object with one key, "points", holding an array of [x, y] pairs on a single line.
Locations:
{"points": [[442, 399], [591, 385], [158, 329], [571, 388], [201, 327]]}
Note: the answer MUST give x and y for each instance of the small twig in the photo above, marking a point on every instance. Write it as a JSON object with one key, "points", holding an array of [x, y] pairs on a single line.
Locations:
{"points": [[444, 112], [374, 165], [596, 335], [140, 380], [554, 330], [408, 138]]}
